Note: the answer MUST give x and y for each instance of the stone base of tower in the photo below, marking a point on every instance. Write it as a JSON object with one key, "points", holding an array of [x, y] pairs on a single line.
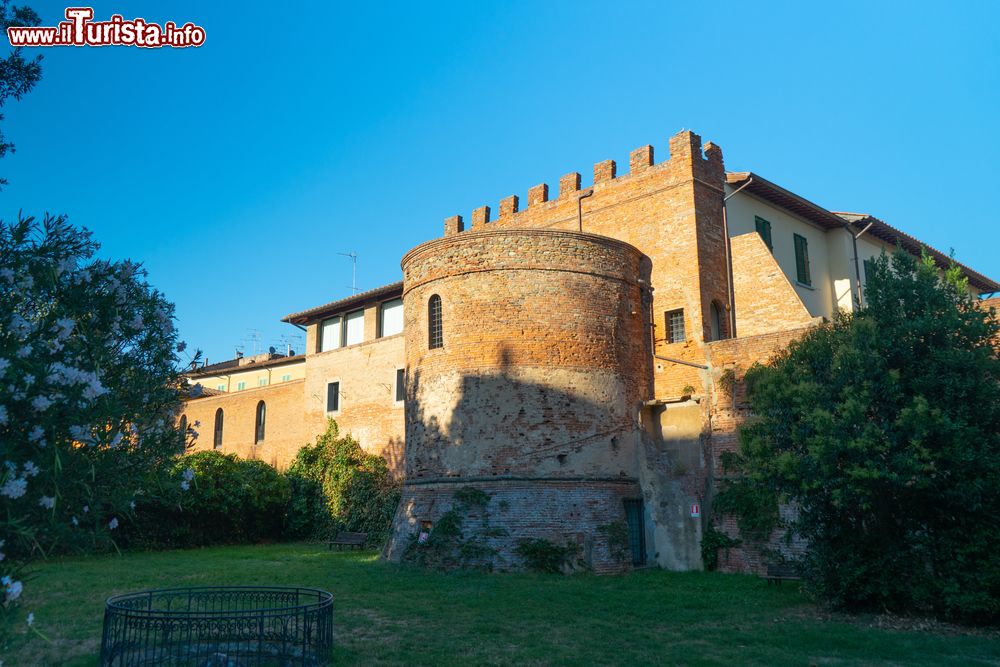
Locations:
{"points": [[577, 511]]}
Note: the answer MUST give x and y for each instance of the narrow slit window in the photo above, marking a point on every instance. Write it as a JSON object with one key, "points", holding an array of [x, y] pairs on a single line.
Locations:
{"points": [[258, 435], [435, 332], [217, 439], [400, 385], [333, 396]]}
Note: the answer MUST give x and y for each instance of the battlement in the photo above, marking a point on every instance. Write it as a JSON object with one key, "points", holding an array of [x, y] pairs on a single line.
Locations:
{"points": [[688, 159]]}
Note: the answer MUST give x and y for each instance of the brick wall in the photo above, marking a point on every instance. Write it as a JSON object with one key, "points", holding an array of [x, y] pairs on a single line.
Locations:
{"points": [[671, 211], [542, 371], [283, 434], [368, 409], [765, 301]]}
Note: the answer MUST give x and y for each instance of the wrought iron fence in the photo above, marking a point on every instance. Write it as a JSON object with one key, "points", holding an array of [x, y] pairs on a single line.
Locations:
{"points": [[219, 627]]}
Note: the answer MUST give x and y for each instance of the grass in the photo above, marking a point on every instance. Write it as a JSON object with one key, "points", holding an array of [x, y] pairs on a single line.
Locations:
{"points": [[385, 614]]}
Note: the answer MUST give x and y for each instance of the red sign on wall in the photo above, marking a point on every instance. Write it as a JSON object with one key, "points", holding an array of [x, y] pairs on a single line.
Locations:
{"points": [[695, 510]]}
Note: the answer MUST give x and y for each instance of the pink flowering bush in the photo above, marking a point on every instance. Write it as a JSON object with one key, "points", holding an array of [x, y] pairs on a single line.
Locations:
{"points": [[89, 386]]}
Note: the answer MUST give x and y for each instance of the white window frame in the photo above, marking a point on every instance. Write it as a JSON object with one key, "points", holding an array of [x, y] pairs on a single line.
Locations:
{"points": [[381, 317]]}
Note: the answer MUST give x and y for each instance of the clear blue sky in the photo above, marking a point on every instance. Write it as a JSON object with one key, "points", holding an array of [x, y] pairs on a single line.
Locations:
{"points": [[236, 171]]}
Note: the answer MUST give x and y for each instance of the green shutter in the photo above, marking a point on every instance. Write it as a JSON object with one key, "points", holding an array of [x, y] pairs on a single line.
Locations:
{"points": [[764, 229], [869, 269], [802, 260]]}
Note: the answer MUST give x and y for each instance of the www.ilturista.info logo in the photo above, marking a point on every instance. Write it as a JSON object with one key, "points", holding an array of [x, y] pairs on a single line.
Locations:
{"points": [[80, 30]]}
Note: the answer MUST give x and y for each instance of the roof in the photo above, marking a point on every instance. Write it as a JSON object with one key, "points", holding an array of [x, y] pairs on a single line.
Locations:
{"points": [[765, 189], [306, 316], [234, 366]]}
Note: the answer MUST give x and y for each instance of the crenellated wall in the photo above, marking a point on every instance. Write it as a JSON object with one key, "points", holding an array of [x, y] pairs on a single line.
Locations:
{"points": [[670, 211]]}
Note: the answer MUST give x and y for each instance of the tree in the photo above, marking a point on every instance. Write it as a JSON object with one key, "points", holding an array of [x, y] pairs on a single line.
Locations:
{"points": [[88, 393], [17, 75], [883, 430]]}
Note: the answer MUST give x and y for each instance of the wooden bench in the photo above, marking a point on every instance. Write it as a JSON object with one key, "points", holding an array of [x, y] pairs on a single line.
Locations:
{"points": [[346, 539], [779, 572]]}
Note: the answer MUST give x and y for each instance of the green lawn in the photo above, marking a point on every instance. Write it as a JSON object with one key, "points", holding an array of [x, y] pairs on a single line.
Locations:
{"points": [[391, 615]]}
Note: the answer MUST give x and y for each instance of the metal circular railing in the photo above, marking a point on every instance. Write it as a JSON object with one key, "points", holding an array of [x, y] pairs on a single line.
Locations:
{"points": [[232, 626]]}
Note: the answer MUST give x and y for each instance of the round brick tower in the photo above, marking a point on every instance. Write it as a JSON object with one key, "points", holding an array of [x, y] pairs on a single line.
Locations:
{"points": [[527, 361]]}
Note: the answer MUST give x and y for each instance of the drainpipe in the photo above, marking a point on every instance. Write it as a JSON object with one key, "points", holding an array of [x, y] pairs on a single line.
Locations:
{"points": [[729, 261], [579, 208], [681, 361], [857, 264]]}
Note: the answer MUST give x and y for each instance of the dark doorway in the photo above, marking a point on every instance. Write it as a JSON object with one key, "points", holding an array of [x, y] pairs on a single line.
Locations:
{"points": [[636, 532]]}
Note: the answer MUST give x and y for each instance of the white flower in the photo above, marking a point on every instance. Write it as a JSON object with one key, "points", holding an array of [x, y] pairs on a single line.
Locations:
{"points": [[31, 619], [189, 474], [13, 591], [115, 441], [36, 434], [86, 508], [15, 487], [4, 365], [79, 433], [196, 391], [24, 352], [185, 485], [132, 505], [48, 502], [113, 523], [94, 389], [30, 469], [19, 325], [64, 327], [136, 322], [74, 521], [181, 346], [41, 403], [7, 275], [3, 415]]}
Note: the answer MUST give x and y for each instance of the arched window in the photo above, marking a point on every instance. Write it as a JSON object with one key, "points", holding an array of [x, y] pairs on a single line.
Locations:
{"points": [[717, 322], [259, 430], [217, 440], [435, 333]]}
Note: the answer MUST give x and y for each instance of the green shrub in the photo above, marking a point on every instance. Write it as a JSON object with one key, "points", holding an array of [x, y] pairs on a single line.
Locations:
{"points": [[226, 500], [882, 429], [339, 486]]}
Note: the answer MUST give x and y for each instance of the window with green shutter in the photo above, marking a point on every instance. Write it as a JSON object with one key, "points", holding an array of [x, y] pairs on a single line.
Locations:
{"points": [[802, 260], [764, 229], [869, 269]]}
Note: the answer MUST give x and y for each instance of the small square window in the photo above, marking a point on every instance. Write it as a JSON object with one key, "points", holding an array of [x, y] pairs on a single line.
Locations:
{"points": [[286, 377], [675, 326], [262, 382], [221, 387], [240, 386]]}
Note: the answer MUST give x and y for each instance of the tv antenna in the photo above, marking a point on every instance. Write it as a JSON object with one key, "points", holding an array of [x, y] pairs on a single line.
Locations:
{"points": [[354, 268]]}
